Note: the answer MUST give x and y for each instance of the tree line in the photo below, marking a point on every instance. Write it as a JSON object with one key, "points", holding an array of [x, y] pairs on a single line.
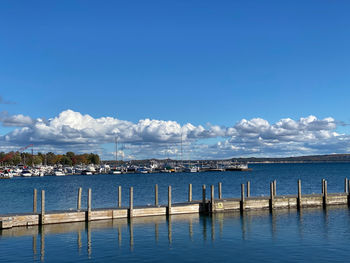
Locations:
{"points": [[50, 158]]}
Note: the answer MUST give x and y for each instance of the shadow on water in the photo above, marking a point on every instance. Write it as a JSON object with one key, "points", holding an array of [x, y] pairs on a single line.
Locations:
{"points": [[233, 225]]}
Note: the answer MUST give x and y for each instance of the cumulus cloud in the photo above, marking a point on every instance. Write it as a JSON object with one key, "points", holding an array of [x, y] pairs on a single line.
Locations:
{"points": [[149, 138], [15, 120], [285, 137]]}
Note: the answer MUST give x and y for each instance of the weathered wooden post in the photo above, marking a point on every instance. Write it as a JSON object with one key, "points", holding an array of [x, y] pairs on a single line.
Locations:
{"points": [[323, 180], [35, 200], [220, 190], [190, 193], [299, 204], [88, 218], [346, 189], [348, 192], [248, 189], [169, 200], [131, 202], [119, 196], [274, 187], [272, 196], [242, 197], [79, 199], [212, 199], [325, 195], [203, 194], [156, 195], [42, 216]]}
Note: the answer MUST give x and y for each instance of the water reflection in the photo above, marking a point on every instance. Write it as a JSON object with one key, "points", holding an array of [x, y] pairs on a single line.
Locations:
{"points": [[176, 228]]}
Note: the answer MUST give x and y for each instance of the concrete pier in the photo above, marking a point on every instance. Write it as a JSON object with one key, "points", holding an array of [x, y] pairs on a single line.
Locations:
{"points": [[270, 202]]}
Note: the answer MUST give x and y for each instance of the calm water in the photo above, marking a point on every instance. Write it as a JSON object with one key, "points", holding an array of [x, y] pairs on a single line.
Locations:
{"points": [[286, 235]]}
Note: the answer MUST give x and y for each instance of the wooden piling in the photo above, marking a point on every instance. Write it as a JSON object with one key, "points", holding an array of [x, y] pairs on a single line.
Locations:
{"points": [[212, 199], [131, 202], [325, 195], [242, 197], [190, 193], [119, 196], [299, 204], [323, 180], [272, 199], [88, 217], [79, 199], [169, 200], [42, 216], [203, 194], [156, 195], [220, 190], [274, 187], [248, 189], [35, 200], [348, 192], [346, 185]]}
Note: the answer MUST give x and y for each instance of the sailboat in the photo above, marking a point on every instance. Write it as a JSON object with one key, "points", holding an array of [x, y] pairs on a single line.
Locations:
{"points": [[115, 170]]}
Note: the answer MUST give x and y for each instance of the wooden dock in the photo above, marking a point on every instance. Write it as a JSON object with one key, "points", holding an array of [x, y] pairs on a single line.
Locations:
{"points": [[206, 205]]}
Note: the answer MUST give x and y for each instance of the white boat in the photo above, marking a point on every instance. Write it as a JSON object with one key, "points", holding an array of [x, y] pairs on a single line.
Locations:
{"points": [[91, 168], [193, 169], [26, 173], [9, 173], [86, 172], [115, 171], [58, 172]]}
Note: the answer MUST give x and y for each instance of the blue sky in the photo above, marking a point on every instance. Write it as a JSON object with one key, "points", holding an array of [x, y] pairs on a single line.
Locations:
{"points": [[210, 64]]}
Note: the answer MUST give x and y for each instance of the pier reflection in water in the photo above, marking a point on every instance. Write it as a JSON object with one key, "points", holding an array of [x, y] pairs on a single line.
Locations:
{"points": [[231, 235]]}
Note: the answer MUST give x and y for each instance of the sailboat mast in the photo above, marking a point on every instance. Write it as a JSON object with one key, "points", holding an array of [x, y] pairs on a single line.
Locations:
{"points": [[181, 149], [116, 152]]}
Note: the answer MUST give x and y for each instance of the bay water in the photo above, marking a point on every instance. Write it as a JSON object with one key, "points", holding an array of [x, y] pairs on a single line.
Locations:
{"points": [[315, 235]]}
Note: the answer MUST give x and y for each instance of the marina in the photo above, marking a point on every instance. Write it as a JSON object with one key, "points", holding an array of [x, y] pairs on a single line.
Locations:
{"points": [[60, 170]]}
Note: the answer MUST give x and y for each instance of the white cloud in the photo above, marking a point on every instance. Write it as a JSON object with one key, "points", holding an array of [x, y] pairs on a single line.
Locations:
{"points": [[15, 120], [149, 138]]}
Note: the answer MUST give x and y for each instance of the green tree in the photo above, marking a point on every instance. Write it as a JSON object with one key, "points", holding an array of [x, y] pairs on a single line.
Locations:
{"points": [[94, 158], [16, 159], [50, 158], [71, 156], [65, 160], [37, 160]]}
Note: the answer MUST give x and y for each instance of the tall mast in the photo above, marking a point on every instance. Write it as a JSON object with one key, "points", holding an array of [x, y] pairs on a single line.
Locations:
{"points": [[116, 151], [32, 155], [181, 148]]}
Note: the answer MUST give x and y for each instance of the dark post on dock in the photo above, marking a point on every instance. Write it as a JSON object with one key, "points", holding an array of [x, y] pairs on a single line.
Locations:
{"points": [[212, 199], [272, 196], [42, 216], [346, 189], [131, 202], [119, 196], [89, 205], [169, 200], [79, 199], [325, 194], [35, 200], [156, 195], [299, 195], [203, 194], [242, 197], [248, 189]]}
